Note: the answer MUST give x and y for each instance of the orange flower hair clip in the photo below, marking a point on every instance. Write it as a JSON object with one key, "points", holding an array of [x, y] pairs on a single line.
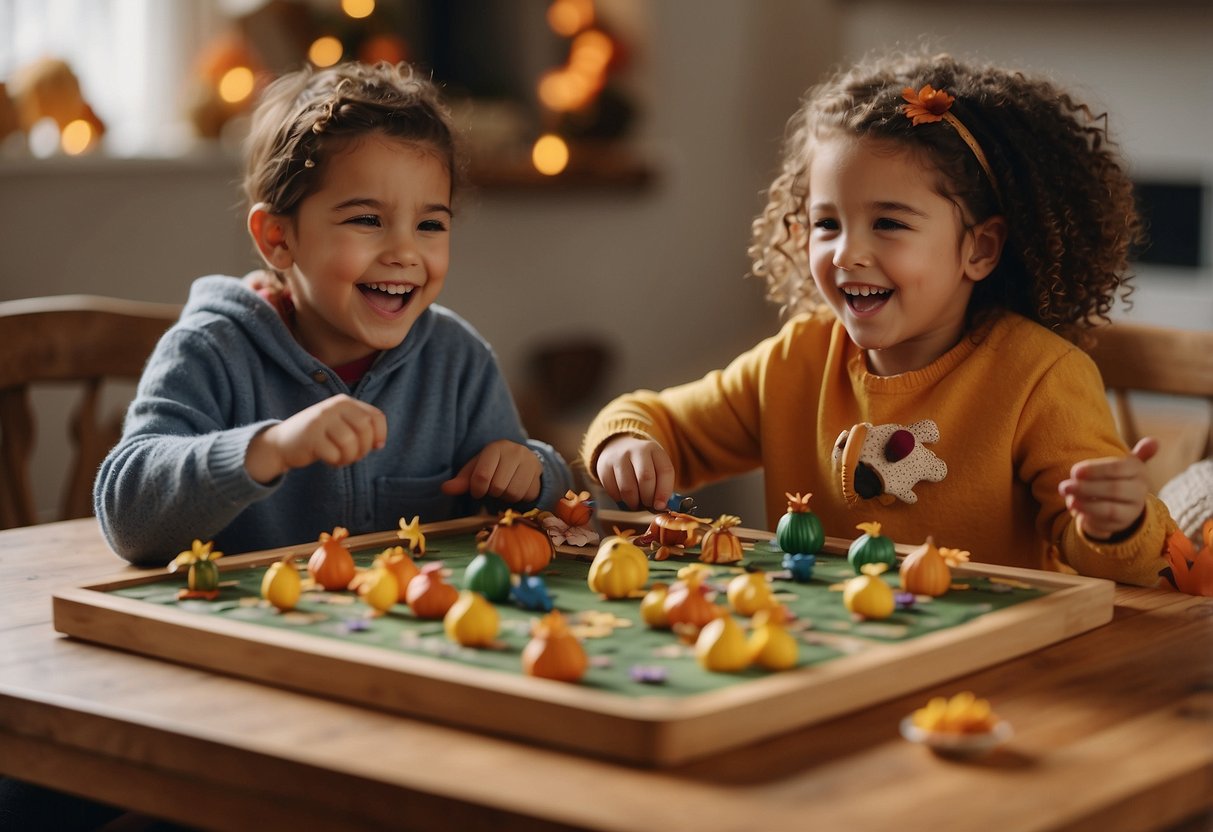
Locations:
{"points": [[929, 105], [925, 106]]}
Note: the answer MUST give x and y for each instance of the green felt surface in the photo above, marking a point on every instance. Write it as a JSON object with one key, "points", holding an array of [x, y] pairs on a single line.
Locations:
{"points": [[823, 626]]}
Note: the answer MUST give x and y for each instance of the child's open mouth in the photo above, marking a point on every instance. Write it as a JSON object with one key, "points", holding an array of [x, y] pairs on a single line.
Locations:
{"points": [[864, 299], [387, 297]]}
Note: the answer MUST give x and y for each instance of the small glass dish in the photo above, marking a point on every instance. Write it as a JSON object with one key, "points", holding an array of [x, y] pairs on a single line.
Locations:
{"points": [[958, 746]]}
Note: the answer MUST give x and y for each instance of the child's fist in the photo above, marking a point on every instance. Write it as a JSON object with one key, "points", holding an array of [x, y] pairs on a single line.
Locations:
{"points": [[636, 472], [503, 470], [336, 431], [1107, 496]]}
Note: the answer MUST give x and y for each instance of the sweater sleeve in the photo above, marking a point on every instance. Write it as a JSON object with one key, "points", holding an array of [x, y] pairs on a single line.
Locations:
{"points": [[711, 428], [178, 471], [488, 413], [1066, 420]]}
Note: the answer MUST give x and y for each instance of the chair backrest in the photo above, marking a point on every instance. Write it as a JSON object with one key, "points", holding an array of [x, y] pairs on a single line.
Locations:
{"points": [[1152, 359], [68, 338]]}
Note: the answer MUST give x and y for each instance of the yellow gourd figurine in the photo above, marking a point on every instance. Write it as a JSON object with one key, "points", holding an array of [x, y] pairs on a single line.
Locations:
{"points": [[378, 588], [553, 651], [282, 586], [652, 607], [471, 621], [771, 645], [721, 646], [619, 569], [925, 572], [750, 592], [397, 561], [867, 595]]}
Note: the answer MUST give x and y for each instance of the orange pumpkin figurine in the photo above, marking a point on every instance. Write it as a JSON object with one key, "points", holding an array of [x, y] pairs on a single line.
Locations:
{"points": [[553, 651], [574, 508], [428, 595], [332, 565], [521, 543]]}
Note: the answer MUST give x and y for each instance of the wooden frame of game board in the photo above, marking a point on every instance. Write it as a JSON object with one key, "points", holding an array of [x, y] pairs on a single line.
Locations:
{"points": [[651, 731]]}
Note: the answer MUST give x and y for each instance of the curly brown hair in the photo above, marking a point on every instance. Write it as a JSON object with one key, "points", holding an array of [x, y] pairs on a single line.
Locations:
{"points": [[1066, 196], [304, 116]]}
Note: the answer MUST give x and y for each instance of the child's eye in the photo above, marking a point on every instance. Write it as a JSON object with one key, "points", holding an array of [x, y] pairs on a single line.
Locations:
{"points": [[826, 224], [886, 224], [365, 219], [432, 225]]}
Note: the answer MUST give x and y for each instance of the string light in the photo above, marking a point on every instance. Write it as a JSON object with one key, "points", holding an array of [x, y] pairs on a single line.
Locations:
{"points": [[550, 155], [76, 138], [358, 9], [325, 51], [236, 84]]}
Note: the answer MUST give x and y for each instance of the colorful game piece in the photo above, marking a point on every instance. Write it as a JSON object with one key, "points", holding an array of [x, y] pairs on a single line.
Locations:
{"points": [[719, 544], [673, 531], [412, 535], [867, 595], [799, 531], [750, 592], [489, 575], [378, 588], [771, 645], [575, 509], [531, 593], [282, 586], [203, 576], [686, 602], [871, 547], [471, 621], [925, 572], [428, 595], [553, 652], [652, 607], [721, 646], [800, 565], [521, 543], [619, 568], [331, 565], [397, 561]]}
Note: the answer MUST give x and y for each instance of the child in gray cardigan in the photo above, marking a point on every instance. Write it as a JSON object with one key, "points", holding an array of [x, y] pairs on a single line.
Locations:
{"points": [[350, 398]]}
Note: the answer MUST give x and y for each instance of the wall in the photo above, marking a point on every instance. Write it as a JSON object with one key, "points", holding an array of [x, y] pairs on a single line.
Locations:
{"points": [[657, 273]]}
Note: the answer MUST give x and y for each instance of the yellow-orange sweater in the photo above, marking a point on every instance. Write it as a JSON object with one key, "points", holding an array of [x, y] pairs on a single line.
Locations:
{"points": [[1014, 411]]}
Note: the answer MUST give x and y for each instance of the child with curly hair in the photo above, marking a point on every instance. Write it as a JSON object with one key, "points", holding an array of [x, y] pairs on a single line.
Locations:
{"points": [[941, 234], [351, 400]]}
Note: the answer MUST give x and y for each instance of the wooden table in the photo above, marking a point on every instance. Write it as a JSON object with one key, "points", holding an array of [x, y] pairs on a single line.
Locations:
{"points": [[1113, 730]]}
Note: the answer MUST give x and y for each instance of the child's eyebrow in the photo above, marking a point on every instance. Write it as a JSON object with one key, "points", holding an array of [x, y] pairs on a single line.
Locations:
{"points": [[897, 206], [377, 205]]}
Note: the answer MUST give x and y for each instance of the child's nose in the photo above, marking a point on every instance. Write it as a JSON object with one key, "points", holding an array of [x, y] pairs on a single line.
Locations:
{"points": [[402, 250], [851, 252]]}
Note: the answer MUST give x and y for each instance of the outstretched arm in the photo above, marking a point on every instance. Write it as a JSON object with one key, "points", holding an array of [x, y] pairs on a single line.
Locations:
{"points": [[1107, 496]]}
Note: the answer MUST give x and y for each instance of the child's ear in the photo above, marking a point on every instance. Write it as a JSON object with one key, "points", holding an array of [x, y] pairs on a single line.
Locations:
{"points": [[988, 238], [269, 234]]}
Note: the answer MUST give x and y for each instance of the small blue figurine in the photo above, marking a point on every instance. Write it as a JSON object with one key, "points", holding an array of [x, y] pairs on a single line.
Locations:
{"points": [[531, 593], [801, 566]]}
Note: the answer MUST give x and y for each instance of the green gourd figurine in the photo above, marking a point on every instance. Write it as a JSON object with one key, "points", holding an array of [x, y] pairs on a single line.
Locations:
{"points": [[799, 530], [871, 547]]}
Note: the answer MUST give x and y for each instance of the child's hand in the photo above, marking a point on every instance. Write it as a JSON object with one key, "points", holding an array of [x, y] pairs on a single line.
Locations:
{"points": [[503, 469], [338, 431], [1108, 495], [636, 472]]}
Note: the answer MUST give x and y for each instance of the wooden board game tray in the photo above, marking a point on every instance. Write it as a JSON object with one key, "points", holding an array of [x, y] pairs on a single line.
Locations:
{"points": [[644, 730]]}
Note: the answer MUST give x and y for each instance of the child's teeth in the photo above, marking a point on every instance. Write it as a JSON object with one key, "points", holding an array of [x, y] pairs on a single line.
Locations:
{"points": [[391, 288]]}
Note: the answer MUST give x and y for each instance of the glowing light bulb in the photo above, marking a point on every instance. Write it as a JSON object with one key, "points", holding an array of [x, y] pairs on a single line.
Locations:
{"points": [[325, 51], [76, 138], [550, 155], [358, 9], [568, 17], [236, 84]]}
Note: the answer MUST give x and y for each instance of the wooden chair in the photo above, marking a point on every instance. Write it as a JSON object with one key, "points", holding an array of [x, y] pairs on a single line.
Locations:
{"points": [[69, 338], [1157, 360]]}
